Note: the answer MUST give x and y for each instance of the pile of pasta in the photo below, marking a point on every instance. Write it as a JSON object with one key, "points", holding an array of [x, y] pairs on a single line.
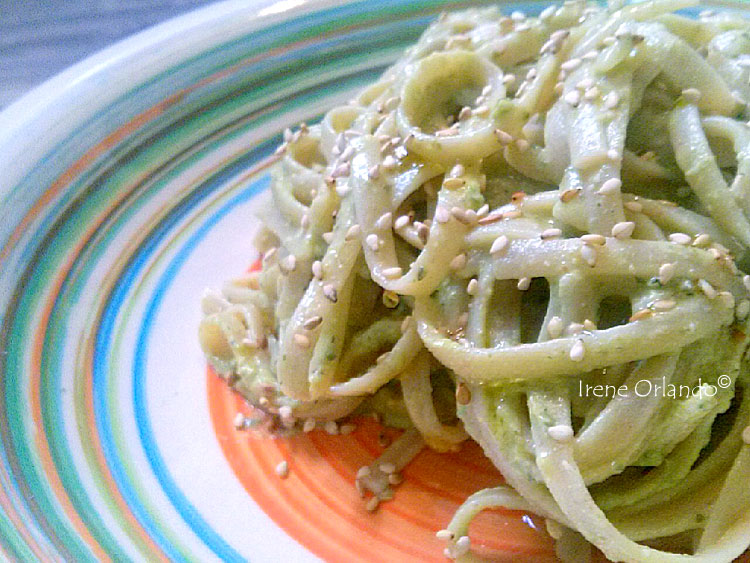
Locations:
{"points": [[520, 210]]}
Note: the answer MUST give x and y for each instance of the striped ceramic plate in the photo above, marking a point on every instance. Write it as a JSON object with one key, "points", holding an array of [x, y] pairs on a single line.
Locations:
{"points": [[130, 183]]}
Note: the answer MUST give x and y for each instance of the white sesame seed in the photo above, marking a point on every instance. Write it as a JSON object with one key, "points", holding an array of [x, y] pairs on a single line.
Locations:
{"points": [[304, 222], [330, 293], [308, 425], [482, 211], [611, 100], [342, 190], [702, 240], [401, 222], [363, 472], [385, 221], [387, 468], [588, 253], [666, 273], [464, 114], [571, 64], [481, 110], [522, 145], [577, 351], [572, 98], [289, 264], [707, 289], [680, 238], [561, 432], [390, 163], [453, 183], [312, 322], [503, 137], [457, 170], [331, 427], [743, 309], [374, 172], [691, 95], [353, 232], [463, 544], [445, 535], [590, 55], [555, 327], [285, 411], [591, 93], [613, 155], [472, 287], [746, 435], [664, 304], [392, 103], [372, 504], [317, 269], [282, 469], [500, 244], [634, 206], [509, 79], [341, 170], [301, 340], [575, 328], [548, 12], [372, 241], [623, 230], [523, 284], [442, 215], [346, 156], [610, 186], [458, 262], [594, 239], [347, 428], [392, 273], [550, 234], [746, 282], [585, 84], [727, 299]]}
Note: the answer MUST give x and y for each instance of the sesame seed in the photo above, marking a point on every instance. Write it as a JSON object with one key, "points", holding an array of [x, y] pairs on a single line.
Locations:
{"points": [[569, 195], [392, 273], [372, 241], [401, 222], [522, 145], [593, 239], [457, 170], [395, 479], [680, 238], [550, 234], [289, 264], [691, 95], [591, 94], [458, 262], [372, 504], [572, 98], [385, 221], [308, 425], [666, 273], [503, 137], [577, 351], [727, 299], [639, 315], [363, 472], [481, 110], [312, 323], [301, 340], [611, 100], [472, 286], [463, 394], [330, 293], [702, 240], [589, 325], [463, 544], [342, 190], [664, 304], [445, 535], [465, 113], [341, 170], [555, 327], [613, 155], [523, 284], [447, 132], [610, 186], [571, 64], [560, 432], [347, 428], [317, 269], [623, 230], [331, 427], [509, 79], [590, 55], [634, 206], [304, 222], [282, 469], [353, 232], [575, 328], [585, 84], [493, 217], [746, 282], [387, 468], [390, 163], [442, 215], [453, 183], [392, 103], [746, 435], [374, 172], [743, 309], [588, 253], [499, 244]]}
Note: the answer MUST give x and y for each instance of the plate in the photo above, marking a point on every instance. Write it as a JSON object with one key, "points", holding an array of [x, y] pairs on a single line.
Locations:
{"points": [[130, 183]]}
